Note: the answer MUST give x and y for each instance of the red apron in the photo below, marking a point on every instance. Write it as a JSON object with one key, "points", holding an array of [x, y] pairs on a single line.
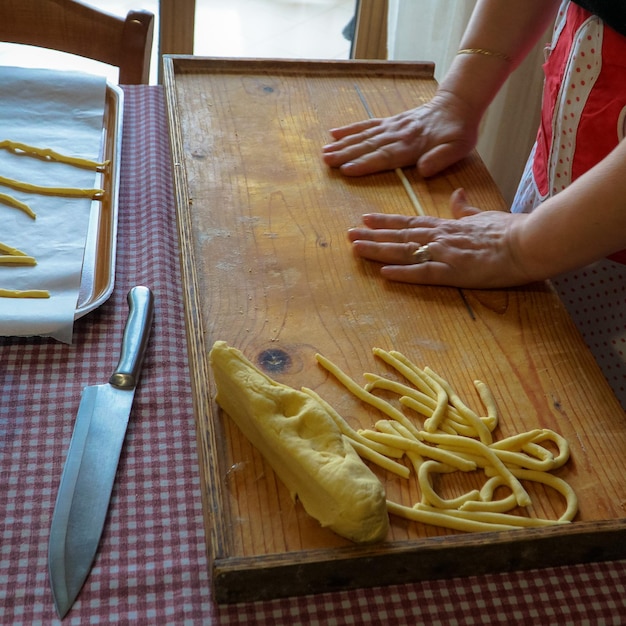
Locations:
{"points": [[584, 101], [583, 114]]}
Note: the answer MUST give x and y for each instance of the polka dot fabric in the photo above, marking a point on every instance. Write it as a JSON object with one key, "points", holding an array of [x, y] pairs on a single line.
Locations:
{"points": [[596, 300]]}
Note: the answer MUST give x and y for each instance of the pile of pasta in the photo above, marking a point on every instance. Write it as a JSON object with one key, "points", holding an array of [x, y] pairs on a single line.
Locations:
{"points": [[452, 437]]}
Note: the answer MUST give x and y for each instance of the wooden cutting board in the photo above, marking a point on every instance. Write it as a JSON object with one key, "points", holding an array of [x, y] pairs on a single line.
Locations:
{"points": [[267, 267]]}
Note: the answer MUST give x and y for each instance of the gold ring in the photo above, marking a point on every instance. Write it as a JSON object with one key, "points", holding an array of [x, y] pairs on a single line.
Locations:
{"points": [[422, 254]]}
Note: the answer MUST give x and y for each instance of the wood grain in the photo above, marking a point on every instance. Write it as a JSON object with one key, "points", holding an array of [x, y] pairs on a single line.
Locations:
{"points": [[267, 267]]}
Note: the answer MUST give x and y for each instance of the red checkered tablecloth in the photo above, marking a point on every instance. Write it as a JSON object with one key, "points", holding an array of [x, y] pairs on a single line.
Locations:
{"points": [[151, 567]]}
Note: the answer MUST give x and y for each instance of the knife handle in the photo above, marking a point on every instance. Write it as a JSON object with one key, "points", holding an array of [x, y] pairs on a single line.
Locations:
{"points": [[135, 340]]}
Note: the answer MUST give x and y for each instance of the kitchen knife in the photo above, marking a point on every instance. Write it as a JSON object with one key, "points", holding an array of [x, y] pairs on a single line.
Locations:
{"points": [[92, 459]]}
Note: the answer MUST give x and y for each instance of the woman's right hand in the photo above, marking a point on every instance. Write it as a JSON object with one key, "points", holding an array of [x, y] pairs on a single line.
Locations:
{"points": [[432, 137]]}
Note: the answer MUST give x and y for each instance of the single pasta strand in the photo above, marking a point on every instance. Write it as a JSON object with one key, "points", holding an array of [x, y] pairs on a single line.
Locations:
{"points": [[27, 293], [416, 459], [50, 155], [347, 430], [490, 486], [493, 518], [516, 442], [386, 426], [560, 442], [439, 414], [67, 192], [525, 461], [489, 422], [10, 250], [5, 198], [410, 192], [416, 405], [494, 506], [489, 402], [537, 451], [17, 259], [438, 518], [446, 426], [487, 503]]}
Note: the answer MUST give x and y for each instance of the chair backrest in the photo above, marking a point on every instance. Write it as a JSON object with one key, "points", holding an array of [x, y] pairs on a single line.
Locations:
{"points": [[70, 26]]}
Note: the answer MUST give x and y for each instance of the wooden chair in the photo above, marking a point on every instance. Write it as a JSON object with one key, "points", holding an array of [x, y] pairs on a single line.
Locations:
{"points": [[71, 26]]}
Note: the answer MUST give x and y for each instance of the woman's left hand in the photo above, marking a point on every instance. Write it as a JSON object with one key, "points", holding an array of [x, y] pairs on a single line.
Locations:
{"points": [[478, 249]]}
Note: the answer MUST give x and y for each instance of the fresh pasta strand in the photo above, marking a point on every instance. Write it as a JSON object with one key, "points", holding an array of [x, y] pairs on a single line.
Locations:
{"points": [[48, 154], [349, 432], [67, 192], [27, 293], [10, 250], [17, 259], [14, 203]]}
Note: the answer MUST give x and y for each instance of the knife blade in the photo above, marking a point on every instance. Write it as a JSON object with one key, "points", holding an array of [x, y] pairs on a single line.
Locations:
{"points": [[92, 459]]}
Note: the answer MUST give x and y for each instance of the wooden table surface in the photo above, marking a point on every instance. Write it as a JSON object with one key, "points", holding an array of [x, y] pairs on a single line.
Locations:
{"points": [[267, 267]]}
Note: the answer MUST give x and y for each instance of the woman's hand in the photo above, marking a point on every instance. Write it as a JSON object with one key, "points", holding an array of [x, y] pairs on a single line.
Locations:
{"points": [[477, 250], [433, 137]]}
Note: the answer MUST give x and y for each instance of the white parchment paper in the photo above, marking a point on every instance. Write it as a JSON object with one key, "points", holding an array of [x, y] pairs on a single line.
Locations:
{"points": [[63, 111]]}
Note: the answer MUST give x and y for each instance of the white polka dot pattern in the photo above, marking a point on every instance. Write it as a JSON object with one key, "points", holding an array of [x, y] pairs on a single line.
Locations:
{"points": [[596, 300], [584, 66]]}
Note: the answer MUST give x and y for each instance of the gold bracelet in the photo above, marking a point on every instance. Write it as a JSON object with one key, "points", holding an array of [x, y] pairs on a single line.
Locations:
{"points": [[487, 53]]}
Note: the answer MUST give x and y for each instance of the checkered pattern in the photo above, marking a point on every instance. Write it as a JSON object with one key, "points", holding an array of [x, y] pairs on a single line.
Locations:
{"points": [[151, 568]]}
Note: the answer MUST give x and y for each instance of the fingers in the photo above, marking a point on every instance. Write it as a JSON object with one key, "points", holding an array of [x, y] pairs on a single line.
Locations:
{"points": [[370, 163], [392, 229], [386, 252], [352, 129], [396, 221], [399, 265], [459, 205], [364, 153], [351, 142], [441, 157], [431, 273], [392, 240], [357, 160], [404, 228], [371, 146]]}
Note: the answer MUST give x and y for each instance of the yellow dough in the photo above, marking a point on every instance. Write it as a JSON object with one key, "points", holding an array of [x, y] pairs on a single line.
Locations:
{"points": [[304, 446]]}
